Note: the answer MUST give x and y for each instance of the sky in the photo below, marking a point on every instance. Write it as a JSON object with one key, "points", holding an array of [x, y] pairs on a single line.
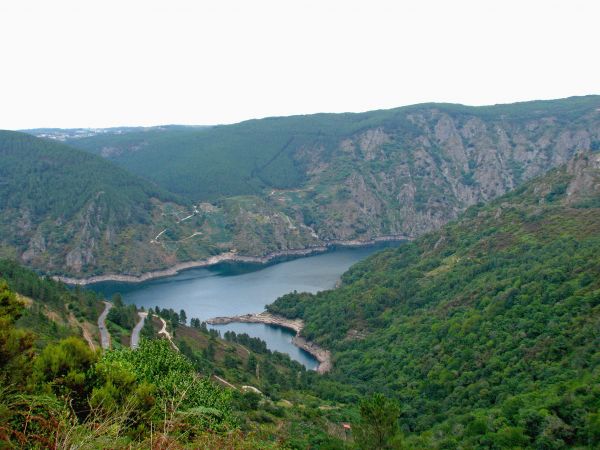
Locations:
{"points": [[109, 63]]}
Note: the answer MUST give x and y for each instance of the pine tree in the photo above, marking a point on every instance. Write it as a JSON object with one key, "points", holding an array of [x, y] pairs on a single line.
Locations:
{"points": [[378, 428]]}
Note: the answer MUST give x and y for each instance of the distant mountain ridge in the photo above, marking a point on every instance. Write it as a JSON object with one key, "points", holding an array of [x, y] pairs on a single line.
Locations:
{"points": [[272, 185], [403, 171], [270, 153]]}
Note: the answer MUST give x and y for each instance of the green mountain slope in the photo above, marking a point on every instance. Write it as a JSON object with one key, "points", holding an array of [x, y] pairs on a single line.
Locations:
{"points": [[66, 211], [272, 185], [67, 394], [487, 331], [403, 171], [52, 310]]}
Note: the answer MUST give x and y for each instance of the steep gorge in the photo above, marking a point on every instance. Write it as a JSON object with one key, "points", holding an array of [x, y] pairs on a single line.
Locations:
{"points": [[273, 185]]}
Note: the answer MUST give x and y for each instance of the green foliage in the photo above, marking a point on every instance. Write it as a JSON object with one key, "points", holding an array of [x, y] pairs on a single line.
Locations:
{"points": [[171, 316], [343, 175], [557, 191], [486, 332], [245, 158], [255, 344], [64, 370], [15, 345], [148, 331], [54, 305], [31, 420], [124, 316], [65, 210], [46, 178], [378, 427], [47, 291], [176, 382], [66, 386], [69, 396], [243, 359]]}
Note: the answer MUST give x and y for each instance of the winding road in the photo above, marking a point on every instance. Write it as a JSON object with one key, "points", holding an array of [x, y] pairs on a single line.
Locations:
{"points": [[104, 334], [166, 333], [135, 334], [225, 382]]}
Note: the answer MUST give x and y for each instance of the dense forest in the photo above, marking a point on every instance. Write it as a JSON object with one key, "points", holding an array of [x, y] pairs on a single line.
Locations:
{"points": [[63, 209], [269, 225], [206, 164], [69, 395], [486, 332], [297, 181], [66, 212]]}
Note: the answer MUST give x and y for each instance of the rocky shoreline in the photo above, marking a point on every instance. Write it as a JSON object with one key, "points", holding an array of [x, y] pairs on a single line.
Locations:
{"points": [[320, 354], [226, 257]]}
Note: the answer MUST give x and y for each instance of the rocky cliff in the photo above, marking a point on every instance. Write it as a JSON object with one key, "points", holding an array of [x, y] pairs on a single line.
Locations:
{"points": [[268, 186], [413, 174]]}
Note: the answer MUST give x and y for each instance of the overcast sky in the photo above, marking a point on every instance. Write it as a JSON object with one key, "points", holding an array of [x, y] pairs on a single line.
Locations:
{"points": [[110, 63]]}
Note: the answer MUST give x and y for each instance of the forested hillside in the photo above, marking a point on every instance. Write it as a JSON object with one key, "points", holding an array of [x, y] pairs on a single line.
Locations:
{"points": [[484, 334], [66, 211], [271, 185], [51, 309], [67, 394], [487, 332], [402, 171]]}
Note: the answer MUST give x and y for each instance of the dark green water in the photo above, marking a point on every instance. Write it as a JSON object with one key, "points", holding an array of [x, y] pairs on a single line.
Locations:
{"points": [[234, 289]]}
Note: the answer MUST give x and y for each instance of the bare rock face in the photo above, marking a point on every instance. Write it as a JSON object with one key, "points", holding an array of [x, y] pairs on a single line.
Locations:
{"points": [[370, 143], [398, 173], [37, 246], [85, 241], [408, 181], [77, 258], [258, 228], [24, 222], [585, 181]]}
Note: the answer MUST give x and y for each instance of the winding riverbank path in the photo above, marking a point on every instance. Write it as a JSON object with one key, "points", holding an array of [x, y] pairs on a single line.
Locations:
{"points": [[104, 334], [230, 256], [320, 354], [135, 334]]}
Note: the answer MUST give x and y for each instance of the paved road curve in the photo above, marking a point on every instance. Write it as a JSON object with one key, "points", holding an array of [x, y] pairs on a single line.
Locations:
{"points": [[135, 334], [104, 334]]}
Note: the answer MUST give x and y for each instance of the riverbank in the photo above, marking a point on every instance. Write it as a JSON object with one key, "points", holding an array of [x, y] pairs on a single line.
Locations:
{"points": [[319, 353], [227, 257]]}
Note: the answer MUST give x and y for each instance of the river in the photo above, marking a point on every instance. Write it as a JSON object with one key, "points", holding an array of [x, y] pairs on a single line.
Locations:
{"points": [[230, 289]]}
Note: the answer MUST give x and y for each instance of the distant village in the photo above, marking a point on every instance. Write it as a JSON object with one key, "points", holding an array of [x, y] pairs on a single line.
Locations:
{"points": [[60, 134]]}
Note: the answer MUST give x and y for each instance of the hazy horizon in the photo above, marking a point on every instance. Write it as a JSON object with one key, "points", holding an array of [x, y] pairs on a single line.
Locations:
{"points": [[77, 64], [200, 125]]}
